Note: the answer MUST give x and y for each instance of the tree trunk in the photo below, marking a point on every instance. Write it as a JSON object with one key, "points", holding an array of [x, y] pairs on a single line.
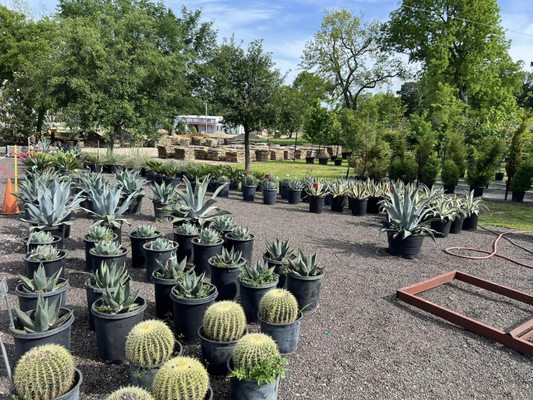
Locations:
{"points": [[246, 150], [117, 132], [40, 121]]}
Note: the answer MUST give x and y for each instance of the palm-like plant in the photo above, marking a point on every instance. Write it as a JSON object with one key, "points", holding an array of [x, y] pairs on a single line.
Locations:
{"points": [[105, 206], [194, 206]]}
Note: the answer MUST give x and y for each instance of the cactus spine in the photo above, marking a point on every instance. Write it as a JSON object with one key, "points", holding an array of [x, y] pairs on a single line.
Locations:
{"points": [[44, 373], [278, 306], [149, 344], [130, 393], [224, 321], [252, 349], [181, 378]]}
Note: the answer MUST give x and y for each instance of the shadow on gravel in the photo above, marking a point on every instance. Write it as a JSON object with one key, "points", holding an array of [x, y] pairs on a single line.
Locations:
{"points": [[364, 249]]}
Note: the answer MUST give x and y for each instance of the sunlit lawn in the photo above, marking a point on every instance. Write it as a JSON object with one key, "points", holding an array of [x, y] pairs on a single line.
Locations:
{"points": [[299, 169], [508, 214]]}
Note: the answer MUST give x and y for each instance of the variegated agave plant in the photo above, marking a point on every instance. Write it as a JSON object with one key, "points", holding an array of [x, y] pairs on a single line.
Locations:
{"points": [[406, 215], [105, 205], [194, 206]]}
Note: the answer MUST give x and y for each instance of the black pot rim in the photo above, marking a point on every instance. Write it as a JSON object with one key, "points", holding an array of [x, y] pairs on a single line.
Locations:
{"points": [[265, 286], [115, 237], [270, 190], [33, 295], [157, 235], [306, 278], [109, 256], [186, 236], [56, 239], [203, 300], [250, 186], [174, 248], [240, 240], [275, 262], [39, 335], [202, 337], [62, 255], [161, 281], [295, 190], [98, 314], [78, 379], [298, 320], [206, 245]]}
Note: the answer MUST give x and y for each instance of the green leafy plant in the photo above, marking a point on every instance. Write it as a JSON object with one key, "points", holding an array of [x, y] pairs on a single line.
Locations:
{"points": [[228, 259], [338, 188], [172, 269], [119, 301], [145, 231], [305, 266], [40, 237], [105, 206], [131, 182], [257, 274], [279, 250], [224, 321], [192, 286], [161, 244], [444, 208], [223, 223], [296, 185], [149, 344], [45, 317], [164, 193], [107, 248], [98, 233], [187, 230], [40, 283], [473, 205], [250, 180], [241, 233], [45, 252], [181, 378], [358, 190], [269, 184], [430, 171], [450, 173], [522, 178], [317, 188], [209, 236], [404, 169], [109, 276]]}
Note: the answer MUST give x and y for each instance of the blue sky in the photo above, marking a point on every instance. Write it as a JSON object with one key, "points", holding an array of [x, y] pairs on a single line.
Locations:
{"points": [[285, 26]]}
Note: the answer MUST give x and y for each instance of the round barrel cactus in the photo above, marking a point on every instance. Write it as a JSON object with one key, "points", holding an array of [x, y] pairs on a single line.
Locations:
{"points": [[278, 306], [149, 344], [224, 321], [44, 373], [252, 349], [130, 393], [181, 378]]}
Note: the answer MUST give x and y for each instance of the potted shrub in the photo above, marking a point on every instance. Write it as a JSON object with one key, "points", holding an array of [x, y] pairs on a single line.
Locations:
{"points": [[256, 368], [249, 187], [115, 314], [158, 252], [49, 371], [191, 297], [182, 378], [521, 182], [304, 279], [254, 281], [106, 276], [130, 392], [164, 198], [47, 323], [270, 190], [183, 235], [473, 206], [309, 159], [148, 346], [132, 185], [405, 222], [280, 319], [337, 190], [323, 158], [39, 238], [241, 239], [225, 270], [443, 212], [96, 234], [317, 192], [224, 323], [358, 198], [108, 251], [138, 238], [484, 161], [430, 172], [49, 257], [294, 193], [50, 288], [277, 255], [206, 245], [450, 176], [94, 161], [284, 187], [165, 277]]}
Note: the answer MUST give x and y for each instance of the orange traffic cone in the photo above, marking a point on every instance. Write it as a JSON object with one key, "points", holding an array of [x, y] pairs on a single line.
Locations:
{"points": [[10, 206]]}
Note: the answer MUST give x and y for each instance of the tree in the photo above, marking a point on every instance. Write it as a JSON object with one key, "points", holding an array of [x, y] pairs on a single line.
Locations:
{"points": [[311, 87], [410, 95], [525, 99], [289, 109], [317, 125], [244, 84], [516, 150], [349, 56]]}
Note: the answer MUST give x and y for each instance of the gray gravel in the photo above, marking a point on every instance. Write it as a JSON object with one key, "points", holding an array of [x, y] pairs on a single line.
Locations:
{"points": [[361, 342]]}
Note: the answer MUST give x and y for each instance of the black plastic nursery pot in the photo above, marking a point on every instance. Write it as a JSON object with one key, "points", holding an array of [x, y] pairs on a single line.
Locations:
{"points": [[316, 204], [57, 230], [216, 354], [248, 193], [338, 162], [50, 267], [224, 192], [327, 200], [226, 281], [93, 294], [143, 377], [89, 262], [285, 335], [346, 154], [280, 270], [98, 259], [441, 227], [457, 224], [202, 254], [163, 303], [269, 196], [323, 161], [112, 330], [309, 160], [244, 246], [478, 191], [28, 300], [74, 393], [138, 254], [284, 190], [162, 211], [373, 206], [57, 243], [470, 223], [306, 289], [26, 341], [518, 196], [251, 296], [156, 257], [499, 176], [185, 246], [189, 314], [135, 205], [449, 189], [359, 207], [251, 390], [294, 196], [337, 203], [409, 247]]}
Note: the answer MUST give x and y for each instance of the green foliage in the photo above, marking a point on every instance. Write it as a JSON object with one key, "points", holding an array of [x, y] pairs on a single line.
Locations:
{"points": [[164, 193], [145, 231], [404, 169], [105, 205], [107, 248], [289, 108], [44, 372], [450, 173], [522, 178], [456, 151], [258, 274], [40, 237], [172, 269], [228, 259], [279, 250], [131, 182], [241, 233], [278, 306], [209, 236], [130, 393], [187, 229], [317, 125], [120, 300], [45, 317], [224, 321], [430, 171], [264, 372], [485, 160], [181, 378], [359, 190], [192, 286], [40, 283], [161, 244], [109, 276], [372, 155], [224, 223], [305, 266], [149, 344], [473, 205], [44, 252]]}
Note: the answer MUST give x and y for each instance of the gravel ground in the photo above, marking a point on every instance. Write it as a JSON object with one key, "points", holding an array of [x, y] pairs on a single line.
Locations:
{"points": [[361, 342]]}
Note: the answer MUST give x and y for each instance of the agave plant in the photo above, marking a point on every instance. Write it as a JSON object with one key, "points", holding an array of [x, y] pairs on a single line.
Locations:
{"points": [[228, 259], [131, 181], [145, 231], [36, 182], [241, 233], [317, 188], [338, 188], [257, 274], [279, 250], [98, 233], [90, 181], [297, 185], [109, 276], [107, 248], [305, 266], [209, 236], [45, 317], [192, 286], [105, 206], [120, 300], [40, 283], [194, 206], [358, 190], [187, 229], [172, 269], [444, 208], [250, 180], [45, 252], [269, 184], [161, 244], [223, 223], [473, 205], [40, 237], [164, 193]]}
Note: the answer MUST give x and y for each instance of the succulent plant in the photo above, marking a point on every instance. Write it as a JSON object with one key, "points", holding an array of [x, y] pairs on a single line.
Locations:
{"points": [[40, 282], [164, 193], [252, 349], [358, 190], [444, 208], [249, 180], [317, 188], [473, 205], [228, 259], [209, 236], [192, 286], [181, 378], [90, 180], [187, 229], [257, 274], [223, 223], [279, 250], [270, 185], [278, 306], [45, 252], [172, 269], [149, 344], [224, 321], [131, 182], [130, 393], [105, 205], [161, 244], [240, 233], [338, 188], [296, 185], [145, 231], [107, 248], [45, 372], [119, 301], [305, 266], [109, 276], [99, 233], [45, 317], [41, 237]]}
